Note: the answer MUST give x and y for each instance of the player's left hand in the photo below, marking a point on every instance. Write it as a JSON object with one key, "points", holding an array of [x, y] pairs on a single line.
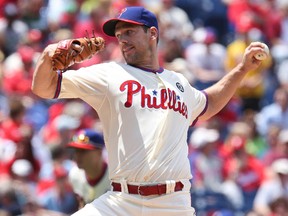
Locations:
{"points": [[73, 51]]}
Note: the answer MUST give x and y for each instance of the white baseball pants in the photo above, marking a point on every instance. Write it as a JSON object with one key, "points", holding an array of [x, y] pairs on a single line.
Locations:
{"points": [[123, 204]]}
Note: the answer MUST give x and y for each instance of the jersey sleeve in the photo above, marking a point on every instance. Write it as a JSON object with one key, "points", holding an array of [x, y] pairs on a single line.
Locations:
{"points": [[202, 106], [84, 83]]}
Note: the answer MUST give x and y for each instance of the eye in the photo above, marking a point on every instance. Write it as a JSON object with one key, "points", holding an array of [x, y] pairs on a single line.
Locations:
{"points": [[129, 32], [118, 34]]}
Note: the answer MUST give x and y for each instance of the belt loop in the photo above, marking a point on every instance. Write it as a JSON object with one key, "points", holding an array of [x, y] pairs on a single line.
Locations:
{"points": [[186, 184], [124, 187], [170, 186]]}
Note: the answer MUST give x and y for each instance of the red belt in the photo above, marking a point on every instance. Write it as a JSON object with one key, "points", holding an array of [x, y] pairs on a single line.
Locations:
{"points": [[147, 190]]}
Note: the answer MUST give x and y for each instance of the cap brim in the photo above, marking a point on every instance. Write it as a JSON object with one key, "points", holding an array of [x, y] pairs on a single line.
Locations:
{"points": [[81, 146], [109, 26]]}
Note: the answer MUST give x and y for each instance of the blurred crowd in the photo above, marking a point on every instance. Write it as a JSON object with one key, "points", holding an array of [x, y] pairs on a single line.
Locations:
{"points": [[239, 158]]}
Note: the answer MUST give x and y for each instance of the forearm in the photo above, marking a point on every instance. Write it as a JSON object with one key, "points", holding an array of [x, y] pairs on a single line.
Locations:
{"points": [[220, 93], [44, 81]]}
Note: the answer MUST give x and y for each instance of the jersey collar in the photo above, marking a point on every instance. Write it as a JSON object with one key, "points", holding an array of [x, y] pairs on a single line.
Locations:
{"points": [[160, 70]]}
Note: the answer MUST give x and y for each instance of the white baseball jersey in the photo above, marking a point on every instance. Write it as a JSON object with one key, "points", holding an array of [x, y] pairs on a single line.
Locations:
{"points": [[145, 117], [81, 187]]}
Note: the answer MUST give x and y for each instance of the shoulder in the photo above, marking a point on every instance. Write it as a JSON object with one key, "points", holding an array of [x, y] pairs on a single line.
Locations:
{"points": [[108, 67], [89, 73], [102, 66], [175, 77]]}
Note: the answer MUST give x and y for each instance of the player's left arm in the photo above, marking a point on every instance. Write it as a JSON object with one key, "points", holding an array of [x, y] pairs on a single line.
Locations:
{"points": [[220, 93]]}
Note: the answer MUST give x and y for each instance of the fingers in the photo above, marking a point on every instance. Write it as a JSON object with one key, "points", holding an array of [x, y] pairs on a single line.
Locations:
{"points": [[76, 47], [251, 59], [258, 47], [257, 44], [50, 49]]}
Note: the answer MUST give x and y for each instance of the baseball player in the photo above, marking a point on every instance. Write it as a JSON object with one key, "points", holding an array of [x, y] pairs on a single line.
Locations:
{"points": [[146, 111], [89, 179]]}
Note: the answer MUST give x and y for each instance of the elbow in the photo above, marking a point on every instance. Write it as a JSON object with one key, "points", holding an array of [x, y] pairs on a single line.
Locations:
{"points": [[206, 116], [35, 92], [42, 94]]}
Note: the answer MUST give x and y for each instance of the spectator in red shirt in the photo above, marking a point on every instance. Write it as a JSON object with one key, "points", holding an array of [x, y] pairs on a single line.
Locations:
{"points": [[117, 6], [93, 27], [18, 71], [240, 166], [11, 126], [24, 151]]}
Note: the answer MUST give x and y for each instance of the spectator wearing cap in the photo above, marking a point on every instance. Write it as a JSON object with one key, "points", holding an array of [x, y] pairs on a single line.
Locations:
{"points": [[89, 178], [204, 159], [205, 162], [18, 70], [206, 57], [280, 150], [273, 189]]}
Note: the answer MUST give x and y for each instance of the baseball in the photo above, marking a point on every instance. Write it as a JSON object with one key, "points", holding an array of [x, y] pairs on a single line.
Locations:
{"points": [[263, 55]]}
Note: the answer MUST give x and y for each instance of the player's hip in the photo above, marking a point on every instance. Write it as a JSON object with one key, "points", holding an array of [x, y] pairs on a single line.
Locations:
{"points": [[175, 201], [123, 204]]}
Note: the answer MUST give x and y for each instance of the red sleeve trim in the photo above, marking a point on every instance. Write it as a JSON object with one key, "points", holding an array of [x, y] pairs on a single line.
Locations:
{"points": [[58, 87]]}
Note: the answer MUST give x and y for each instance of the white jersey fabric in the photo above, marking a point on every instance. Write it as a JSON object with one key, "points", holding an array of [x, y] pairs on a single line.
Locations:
{"points": [[145, 117], [81, 187]]}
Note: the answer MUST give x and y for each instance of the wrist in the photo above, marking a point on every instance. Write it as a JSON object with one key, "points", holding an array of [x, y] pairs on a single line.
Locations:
{"points": [[241, 69]]}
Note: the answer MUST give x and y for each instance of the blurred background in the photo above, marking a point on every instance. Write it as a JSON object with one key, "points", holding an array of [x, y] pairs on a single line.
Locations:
{"points": [[238, 158]]}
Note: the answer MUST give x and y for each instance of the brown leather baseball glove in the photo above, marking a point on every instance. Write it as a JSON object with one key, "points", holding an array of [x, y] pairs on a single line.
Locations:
{"points": [[71, 51]]}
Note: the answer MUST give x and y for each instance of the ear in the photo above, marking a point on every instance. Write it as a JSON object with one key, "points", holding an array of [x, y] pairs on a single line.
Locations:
{"points": [[154, 33]]}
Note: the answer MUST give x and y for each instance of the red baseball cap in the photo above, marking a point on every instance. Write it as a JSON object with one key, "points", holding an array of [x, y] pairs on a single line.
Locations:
{"points": [[87, 139]]}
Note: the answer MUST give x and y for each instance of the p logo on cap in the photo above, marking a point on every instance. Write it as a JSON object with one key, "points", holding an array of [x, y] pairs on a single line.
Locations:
{"points": [[134, 15]]}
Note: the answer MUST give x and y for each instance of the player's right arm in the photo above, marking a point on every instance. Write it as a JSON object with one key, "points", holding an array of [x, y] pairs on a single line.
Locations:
{"points": [[44, 82], [221, 92]]}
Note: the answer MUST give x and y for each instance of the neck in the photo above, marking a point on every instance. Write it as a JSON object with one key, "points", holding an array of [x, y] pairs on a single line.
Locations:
{"points": [[148, 61], [151, 67], [158, 70]]}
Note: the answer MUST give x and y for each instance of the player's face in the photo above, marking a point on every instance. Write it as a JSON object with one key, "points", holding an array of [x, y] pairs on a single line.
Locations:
{"points": [[135, 43], [83, 158]]}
